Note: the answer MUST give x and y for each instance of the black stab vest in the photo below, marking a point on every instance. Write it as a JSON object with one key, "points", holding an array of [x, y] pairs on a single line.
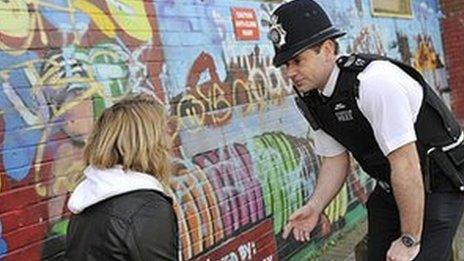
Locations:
{"points": [[340, 117]]}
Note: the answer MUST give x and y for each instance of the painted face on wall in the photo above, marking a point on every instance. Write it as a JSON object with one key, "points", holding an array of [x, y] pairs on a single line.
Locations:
{"points": [[79, 118]]}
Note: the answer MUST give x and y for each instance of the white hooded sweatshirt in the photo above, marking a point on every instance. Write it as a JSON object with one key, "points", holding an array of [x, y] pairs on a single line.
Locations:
{"points": [[101, 184]]}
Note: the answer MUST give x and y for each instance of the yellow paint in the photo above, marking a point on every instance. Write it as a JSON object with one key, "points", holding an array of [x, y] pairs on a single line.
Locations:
{"points": [[214, 97], [95, 88], [132, 18], [67, 169], [336, 210], [41, 29], [425, 58], [192, 113], [102, 21], [218, 97], [15, 20], [184, 238], [40, 188], [245, 89]]}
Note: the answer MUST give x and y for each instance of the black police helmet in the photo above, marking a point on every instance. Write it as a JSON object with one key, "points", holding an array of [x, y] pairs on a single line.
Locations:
{"points": [[297, 26]]}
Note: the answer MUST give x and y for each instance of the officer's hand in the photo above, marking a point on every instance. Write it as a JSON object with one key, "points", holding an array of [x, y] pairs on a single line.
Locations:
{"points": [[399, 252], [302, 222]]}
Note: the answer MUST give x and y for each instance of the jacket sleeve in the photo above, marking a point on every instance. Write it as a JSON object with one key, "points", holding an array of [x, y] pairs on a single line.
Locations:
{"points": [[153, 233]]}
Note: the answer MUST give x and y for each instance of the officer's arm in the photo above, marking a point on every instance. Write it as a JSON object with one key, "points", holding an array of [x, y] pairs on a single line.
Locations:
{"points": [[332, 175], [408, 188]]}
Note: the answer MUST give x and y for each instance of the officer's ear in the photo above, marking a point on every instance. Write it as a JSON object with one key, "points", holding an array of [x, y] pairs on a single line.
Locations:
{"points": [[328, 48]]}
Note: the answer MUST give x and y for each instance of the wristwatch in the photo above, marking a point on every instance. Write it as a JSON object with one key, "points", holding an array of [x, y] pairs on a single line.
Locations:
{"points": [[408, 240]]}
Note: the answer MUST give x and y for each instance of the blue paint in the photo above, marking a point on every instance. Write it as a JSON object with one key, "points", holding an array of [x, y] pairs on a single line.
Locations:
{"points": [[190, 28], [3, 246], [77, 22], [20, 139], [193, 26]]}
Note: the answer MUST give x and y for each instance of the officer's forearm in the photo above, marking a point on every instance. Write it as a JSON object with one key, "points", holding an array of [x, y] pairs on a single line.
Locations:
{"points": [[331, 177], [409, 195], [408, 188]]}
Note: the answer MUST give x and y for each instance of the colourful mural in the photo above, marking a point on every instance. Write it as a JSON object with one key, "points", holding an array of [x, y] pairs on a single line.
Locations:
{"points": [[244, 158], [61, 63]]}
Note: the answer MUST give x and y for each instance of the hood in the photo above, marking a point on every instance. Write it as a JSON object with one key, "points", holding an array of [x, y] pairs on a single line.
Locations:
{"points": [[101, 184]]}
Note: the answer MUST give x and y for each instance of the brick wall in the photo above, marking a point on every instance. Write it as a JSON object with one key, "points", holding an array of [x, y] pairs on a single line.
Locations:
{"points": [[244, 158], [453, 40]]}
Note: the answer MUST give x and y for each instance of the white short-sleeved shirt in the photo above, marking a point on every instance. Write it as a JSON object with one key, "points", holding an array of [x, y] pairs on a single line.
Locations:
{"points": [[390, 100]]}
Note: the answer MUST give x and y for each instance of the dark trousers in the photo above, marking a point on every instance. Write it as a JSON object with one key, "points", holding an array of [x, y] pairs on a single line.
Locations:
{"points": [[443, 213]]}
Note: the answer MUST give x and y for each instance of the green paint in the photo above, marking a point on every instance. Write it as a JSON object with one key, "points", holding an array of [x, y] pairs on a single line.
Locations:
{"points": [[354, 216], [98, 104], [61, 227], [278, 171], [295, 191], [309, 252], [265, 181], [268, 176], [317, 246]]}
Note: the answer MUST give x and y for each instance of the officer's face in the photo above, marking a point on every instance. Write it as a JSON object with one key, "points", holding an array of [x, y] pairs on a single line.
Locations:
{"points": [[311, 69]]}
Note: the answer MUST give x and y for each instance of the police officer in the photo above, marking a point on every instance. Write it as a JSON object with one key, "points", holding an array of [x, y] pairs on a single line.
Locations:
{"points": [[390, 120]]}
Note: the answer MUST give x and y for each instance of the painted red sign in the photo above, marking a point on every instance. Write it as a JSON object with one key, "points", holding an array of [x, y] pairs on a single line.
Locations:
{"points": [[245, 24], [258, 243]]}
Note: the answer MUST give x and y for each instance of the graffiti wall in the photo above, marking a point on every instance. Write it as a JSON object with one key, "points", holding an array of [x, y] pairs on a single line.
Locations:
{"points": [[244, 158]]}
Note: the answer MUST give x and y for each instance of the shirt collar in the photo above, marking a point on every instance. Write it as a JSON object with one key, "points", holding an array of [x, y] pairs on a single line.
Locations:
{"points": [[331, 82]]}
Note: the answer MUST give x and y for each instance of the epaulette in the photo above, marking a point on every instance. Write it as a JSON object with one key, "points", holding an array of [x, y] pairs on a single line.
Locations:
{"points": [[352, 62]]}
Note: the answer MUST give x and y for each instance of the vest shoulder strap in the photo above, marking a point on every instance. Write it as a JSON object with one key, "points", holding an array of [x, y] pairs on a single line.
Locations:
{"points": [[356, 62], [350, 67]]}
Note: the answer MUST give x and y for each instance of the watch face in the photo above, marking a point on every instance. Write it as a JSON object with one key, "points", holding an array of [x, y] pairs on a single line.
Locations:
{"points": [[408, 241]]}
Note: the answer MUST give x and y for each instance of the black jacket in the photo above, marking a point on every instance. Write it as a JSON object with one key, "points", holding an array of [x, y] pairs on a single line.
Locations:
{"points": [[139, 225]]}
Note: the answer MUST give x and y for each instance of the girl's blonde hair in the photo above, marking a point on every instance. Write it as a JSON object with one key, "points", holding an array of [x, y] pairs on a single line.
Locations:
{"points": [[132, 133]]}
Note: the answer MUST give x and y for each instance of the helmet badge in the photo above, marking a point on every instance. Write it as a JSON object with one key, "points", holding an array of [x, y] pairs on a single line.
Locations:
{"points": [[277, 33]]}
